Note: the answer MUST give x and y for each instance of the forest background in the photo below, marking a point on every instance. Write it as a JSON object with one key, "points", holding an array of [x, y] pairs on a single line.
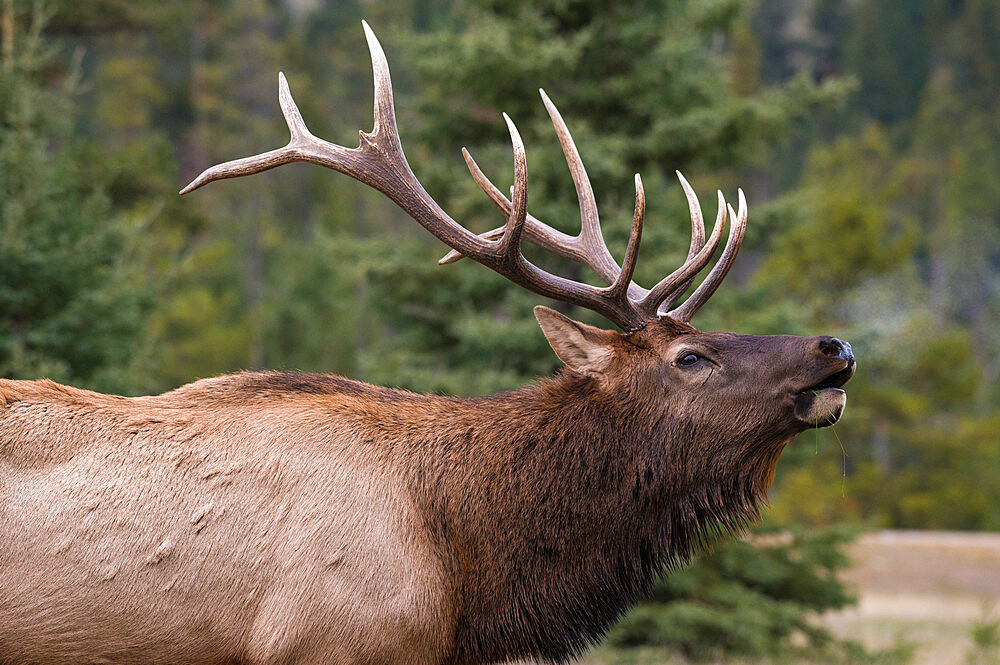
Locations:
{"points": [[865, 133]]}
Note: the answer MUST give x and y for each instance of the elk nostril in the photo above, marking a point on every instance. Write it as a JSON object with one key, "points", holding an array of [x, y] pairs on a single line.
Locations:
{"points": [[834, 348]]}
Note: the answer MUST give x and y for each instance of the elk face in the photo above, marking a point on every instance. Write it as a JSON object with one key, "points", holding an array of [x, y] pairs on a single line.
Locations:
{"points": [[723, 386], [786, 382]]}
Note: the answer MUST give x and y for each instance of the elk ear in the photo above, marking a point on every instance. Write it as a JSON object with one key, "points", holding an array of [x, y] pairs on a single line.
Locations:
{"points": [[584, 348]]}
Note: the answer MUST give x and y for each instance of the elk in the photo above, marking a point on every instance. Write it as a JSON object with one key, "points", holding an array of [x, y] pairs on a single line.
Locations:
{"points": [[274, 517]]}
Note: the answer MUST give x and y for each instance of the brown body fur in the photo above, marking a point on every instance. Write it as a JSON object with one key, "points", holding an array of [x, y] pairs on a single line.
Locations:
{"points": [[297, 518], [219, 522]]}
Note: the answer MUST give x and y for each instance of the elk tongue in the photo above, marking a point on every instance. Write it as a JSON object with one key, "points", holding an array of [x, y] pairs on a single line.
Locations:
{"points": [[820, 408]]}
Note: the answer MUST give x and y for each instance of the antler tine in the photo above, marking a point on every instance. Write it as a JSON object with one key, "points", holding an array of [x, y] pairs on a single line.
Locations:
{"points": [[293, 117], [538, 232], [718, 273], [697, 221], [297, 148], [612, 301], [385, 112], [667, 289], [589, 246], [619, 288], [697, 233], [484, 183], [510, 242], [535, 231], [590, 223]]}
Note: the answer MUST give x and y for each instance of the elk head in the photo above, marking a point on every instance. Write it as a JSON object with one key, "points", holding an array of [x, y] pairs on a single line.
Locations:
{"points": [[738, 398], [730, 387]]}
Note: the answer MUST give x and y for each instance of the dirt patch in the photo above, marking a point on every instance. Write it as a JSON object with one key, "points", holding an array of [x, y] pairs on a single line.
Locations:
{"points": [[928, 562], [924, 587]]}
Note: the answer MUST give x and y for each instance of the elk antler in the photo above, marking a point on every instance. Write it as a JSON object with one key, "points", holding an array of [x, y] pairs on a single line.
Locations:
{"points": [[379, 162]]}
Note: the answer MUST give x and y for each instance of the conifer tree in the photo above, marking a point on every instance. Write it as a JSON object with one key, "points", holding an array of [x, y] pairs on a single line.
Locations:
{"points": [[69, 308]]}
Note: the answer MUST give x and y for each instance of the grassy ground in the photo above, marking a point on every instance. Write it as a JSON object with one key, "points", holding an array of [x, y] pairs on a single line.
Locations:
{"points": [[929, 590]]}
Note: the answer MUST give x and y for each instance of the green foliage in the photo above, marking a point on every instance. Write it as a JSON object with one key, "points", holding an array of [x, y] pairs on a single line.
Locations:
{"points": [[69, 302], [894, 245], [985, 635], [751, 600], [888, 49]]}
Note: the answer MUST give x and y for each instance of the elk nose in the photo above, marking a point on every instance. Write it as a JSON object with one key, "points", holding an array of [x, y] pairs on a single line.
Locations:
{"points": [[835, 348]]}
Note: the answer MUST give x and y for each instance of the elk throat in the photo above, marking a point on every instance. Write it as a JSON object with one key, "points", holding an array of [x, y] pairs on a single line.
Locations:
{"points": [[555, 515]]}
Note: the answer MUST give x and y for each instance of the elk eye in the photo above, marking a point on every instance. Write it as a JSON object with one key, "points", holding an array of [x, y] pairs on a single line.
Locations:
{"points": [[688, 359]]}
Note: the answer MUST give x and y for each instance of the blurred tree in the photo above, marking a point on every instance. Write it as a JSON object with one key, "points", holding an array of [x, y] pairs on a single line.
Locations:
{"points": [[895, 243], [744, 599], [70, 306], [753, 600], [889, 50]]}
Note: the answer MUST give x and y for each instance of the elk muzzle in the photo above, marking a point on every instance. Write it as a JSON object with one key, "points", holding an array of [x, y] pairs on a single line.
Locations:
{"points": [[822, 403]]}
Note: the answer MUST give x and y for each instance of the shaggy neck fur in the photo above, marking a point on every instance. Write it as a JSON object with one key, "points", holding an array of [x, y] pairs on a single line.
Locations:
{"points": [[556, 507]]}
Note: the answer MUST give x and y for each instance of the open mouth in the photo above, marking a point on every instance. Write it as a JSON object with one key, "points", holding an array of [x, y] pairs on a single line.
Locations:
{"points": [[822, 404], [835, 380]]}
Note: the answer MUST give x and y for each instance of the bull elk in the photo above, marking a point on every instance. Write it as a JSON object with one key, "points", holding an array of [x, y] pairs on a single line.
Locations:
{"points": [[271, 517]]}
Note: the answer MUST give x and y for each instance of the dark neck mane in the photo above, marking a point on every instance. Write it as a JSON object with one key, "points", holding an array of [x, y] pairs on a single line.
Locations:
{"points": [[558, 508]]}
